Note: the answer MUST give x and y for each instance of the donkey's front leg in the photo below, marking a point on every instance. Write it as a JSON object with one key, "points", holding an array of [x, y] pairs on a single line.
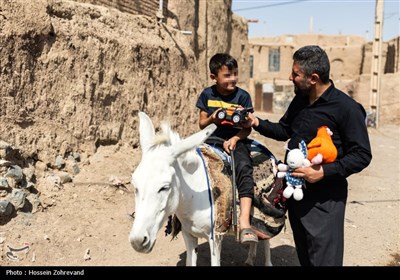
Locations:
{"points": [[191, 243], [215, 249]]}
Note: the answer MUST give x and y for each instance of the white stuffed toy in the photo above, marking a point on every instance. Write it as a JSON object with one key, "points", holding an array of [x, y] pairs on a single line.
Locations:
{"points": [[295, 158]]}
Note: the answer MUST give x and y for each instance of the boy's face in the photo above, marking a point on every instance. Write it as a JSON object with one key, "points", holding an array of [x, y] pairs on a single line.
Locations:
{"points": [[225, 80]]}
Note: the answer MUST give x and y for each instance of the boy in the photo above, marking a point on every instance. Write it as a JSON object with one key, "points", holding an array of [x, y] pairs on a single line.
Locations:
{"points": [[225, 94]]}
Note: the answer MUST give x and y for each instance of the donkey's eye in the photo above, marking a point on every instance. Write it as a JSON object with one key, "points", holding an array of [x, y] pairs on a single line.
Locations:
{"points": [[164, 188]]}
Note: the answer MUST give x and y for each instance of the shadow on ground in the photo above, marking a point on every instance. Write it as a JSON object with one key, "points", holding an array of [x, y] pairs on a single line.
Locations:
{"points": [[235, 254]]}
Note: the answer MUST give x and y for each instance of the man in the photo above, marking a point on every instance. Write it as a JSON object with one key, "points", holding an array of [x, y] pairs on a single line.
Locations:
{"points": [[317, 220]]}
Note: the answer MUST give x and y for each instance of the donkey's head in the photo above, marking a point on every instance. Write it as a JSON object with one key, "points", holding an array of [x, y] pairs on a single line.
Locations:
{"points": [[156, 179]]}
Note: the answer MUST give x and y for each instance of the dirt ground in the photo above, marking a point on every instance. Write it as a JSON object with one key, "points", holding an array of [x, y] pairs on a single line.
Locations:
{"points": [[87, 222]]}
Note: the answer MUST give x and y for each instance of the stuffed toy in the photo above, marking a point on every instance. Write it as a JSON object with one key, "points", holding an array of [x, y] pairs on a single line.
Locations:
{"points": [[321, 149], [295, 158]]}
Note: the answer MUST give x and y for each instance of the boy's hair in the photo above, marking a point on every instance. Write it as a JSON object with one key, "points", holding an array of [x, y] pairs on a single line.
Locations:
{"points": [[222, 59], [313, 59]]}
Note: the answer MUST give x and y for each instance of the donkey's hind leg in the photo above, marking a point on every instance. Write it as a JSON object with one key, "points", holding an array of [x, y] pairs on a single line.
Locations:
{"points": [[251, 255], [191, 243], [267, 253]]}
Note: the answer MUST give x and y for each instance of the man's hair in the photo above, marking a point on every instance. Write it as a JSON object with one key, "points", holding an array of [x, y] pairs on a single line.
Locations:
{"points": [[222, 59], [313, 59]]}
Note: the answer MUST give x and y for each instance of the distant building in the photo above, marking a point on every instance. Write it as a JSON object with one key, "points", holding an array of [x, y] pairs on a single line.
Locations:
{"points": [[271, 63]]}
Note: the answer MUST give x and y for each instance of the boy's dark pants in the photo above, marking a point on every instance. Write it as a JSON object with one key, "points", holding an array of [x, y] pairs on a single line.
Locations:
{"points": [[244, 170]]}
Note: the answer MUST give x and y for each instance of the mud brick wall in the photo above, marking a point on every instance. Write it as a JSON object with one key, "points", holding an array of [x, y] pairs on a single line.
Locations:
{"points": [[136, 7]]}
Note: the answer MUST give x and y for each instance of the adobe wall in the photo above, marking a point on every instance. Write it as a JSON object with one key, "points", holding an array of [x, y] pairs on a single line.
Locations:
{"points": [[337, 47], [210, 27], [389, 99], [214, 28], [135, 7], [74, 76], [390, 57], [240, 49]]}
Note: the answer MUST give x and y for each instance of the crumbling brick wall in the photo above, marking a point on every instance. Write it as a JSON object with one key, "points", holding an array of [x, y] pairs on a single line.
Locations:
{"points": [[135, 7]]}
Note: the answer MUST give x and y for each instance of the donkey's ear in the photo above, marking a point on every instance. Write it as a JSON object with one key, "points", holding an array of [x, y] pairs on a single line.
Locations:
{"points": [[146, 131], [192, 141]]}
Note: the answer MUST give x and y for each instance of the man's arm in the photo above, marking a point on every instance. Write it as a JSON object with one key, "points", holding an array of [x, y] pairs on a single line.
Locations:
{"points": [[356, 149], [277, 131], [243, 133], [356, 145]]}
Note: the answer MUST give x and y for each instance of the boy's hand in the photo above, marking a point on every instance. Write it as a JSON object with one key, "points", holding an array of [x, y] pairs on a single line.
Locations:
{"points": [[230, 145], [214, 118]]}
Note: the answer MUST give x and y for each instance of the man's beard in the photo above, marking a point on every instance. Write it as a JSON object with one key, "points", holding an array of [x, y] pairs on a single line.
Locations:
{"points": [[302, 92]]}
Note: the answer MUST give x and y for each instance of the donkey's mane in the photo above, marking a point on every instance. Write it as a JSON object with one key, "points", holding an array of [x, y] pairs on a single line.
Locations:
{"points": [[166, 137]]}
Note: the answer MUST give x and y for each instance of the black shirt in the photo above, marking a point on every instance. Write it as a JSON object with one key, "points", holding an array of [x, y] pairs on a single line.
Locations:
{"points": [[345, 118], [210, 100]]}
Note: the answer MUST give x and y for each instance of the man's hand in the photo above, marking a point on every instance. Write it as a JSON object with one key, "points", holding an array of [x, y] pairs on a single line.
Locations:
{"points": [[311, 174], [252, 121]]}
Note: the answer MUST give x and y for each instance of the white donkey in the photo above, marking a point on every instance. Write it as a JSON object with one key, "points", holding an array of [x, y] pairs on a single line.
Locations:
{"points": [[171, 179]]}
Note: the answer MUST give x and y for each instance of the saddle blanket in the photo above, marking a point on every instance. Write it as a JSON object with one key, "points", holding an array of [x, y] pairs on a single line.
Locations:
{"points": [[269, 211]]}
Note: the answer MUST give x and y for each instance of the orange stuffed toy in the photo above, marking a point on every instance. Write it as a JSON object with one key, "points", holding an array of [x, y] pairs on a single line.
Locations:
{"points": [[321, 149]]}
